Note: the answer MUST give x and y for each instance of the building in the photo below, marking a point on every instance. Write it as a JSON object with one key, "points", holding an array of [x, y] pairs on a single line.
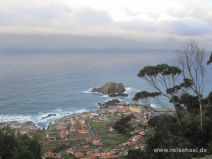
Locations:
{"points": [[136, 138], [52, 138], [22, 131], [128, 143], [142, 132], [64, 133], [112, 110], [70, 151], [105, 155], [111, 129], [83, 131], [96, 142], [82, 121], [49, 154], [79, 154], [135, 109]]}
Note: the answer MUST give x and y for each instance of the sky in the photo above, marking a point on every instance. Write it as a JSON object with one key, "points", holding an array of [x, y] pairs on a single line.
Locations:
{"points": [[104, 24]]}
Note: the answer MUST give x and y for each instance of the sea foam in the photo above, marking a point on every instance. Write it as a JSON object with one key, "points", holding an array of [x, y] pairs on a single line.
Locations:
{"points": [[37, 118]]}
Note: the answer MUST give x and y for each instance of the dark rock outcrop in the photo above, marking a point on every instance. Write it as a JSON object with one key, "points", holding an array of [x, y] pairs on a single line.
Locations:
{"points": [[112, 89], [48, 116], [112, 102]]}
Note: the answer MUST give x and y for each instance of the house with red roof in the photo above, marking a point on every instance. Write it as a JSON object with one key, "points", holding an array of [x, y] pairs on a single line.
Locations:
{"points": [[142, 132], [96, 142], [49, 154], [83, 131], [136, 138]]}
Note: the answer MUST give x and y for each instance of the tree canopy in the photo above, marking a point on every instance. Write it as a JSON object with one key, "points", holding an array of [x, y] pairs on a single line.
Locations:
{"points": [[210, 59], [190, 126], [162, 69], [123, 126], [18, 147]]}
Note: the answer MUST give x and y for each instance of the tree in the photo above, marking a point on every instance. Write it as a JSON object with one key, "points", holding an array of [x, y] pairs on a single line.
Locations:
{"points": [[7, 143], [183, 86], [210, 59], [191, 59], [172, 82], [18, 147], [136, 154], [163, 79], [123, 126]]}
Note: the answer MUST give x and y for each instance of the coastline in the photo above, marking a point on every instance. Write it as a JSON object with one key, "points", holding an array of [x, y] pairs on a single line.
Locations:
{"points": [[21, 119], [29, 123], [90, 133], [59, 117], [60, 113]]}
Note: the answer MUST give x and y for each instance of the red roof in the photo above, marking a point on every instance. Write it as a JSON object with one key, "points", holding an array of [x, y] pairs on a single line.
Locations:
{"points": [[63, 134], [49, 154], [83, 131], [96, 142], [142, 132], [136, 138], [105, 155], [79, 154]]}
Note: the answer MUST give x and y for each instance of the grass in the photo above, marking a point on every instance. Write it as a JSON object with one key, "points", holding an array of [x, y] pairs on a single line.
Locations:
{"points": [[100, 125], [49, 147], [40, 135], [113, 139], [108, 138], [114, 118]]}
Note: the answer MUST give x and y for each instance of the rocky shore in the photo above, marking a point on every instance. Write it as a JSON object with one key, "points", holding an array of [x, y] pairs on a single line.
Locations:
{"points": [[19, 125]]}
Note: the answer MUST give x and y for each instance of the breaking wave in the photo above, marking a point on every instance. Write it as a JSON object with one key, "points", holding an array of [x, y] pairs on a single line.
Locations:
{"points": [[38, 118]]}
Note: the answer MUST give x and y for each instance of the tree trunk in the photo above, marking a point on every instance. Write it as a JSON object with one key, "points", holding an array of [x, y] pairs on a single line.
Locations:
{"points": [[200, 113]]}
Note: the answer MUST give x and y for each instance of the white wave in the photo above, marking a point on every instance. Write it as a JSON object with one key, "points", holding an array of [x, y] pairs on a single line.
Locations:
{"points": [[19, 118], [80, 111], [89, 91], [38, 118], [127, 90], [130, 90], [105, 95]]}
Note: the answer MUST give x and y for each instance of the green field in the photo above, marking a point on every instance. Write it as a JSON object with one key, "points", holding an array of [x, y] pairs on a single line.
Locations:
{"points": [[108, 138]]}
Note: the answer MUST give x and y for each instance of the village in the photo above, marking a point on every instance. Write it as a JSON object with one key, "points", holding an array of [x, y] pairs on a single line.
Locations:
{"points": [[91, 135]]}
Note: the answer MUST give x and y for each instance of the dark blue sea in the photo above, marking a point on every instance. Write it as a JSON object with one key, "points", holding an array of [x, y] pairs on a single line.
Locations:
{"points": [[33, 85]]}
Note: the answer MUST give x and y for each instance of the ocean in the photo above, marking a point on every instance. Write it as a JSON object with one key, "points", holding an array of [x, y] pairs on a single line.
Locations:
{"points": [[32, 85]]}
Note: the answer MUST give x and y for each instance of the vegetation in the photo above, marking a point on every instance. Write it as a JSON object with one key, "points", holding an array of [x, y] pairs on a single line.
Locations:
{"points": [[210, 59], [72, 157], [17, 147], [190, 127], [123, 126], [111, 139], [108, 138]]}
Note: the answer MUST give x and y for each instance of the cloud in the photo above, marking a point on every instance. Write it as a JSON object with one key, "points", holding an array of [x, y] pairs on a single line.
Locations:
{"points": [[91, 18], [27, 16], [53, 18], [135, 19], [187, 27]]}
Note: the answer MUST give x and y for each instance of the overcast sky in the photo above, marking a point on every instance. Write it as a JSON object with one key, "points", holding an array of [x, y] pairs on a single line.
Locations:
{"points": [[110, 23]]}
